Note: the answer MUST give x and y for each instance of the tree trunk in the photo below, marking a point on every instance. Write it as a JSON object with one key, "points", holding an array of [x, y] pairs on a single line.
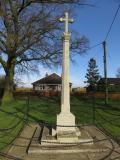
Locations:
{"points": [[9, 81]]}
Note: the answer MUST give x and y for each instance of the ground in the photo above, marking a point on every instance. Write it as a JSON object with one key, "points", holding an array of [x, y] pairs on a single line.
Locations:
{"points": [[20, 113]]}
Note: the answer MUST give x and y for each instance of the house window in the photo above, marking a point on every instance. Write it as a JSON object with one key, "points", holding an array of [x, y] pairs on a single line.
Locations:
{"points": [[59, 87], [36, 88], [41, 87]]}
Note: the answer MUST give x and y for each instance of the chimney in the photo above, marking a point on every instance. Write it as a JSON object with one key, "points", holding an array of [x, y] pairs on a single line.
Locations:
{"points": [[46, 74]]}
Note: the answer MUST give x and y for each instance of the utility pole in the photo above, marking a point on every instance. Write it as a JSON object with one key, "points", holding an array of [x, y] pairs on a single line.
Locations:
{"points": [[105, 73]]}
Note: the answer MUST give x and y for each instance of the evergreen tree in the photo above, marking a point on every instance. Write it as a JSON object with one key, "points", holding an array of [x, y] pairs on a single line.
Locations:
{"points": [[92, 74], [118, 73]]}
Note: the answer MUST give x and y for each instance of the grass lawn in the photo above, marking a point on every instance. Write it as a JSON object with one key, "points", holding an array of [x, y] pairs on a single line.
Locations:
{"points": [[10, 122], [14, 115]]}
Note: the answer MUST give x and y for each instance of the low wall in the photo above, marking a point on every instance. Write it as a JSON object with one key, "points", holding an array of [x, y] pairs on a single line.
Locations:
{"points": [[112, 95], [115, 95], [35, 93]]}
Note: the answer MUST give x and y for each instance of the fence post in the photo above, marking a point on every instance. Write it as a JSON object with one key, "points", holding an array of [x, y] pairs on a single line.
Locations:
{"points": [[27, 109], [94, 114], [94, 108]]}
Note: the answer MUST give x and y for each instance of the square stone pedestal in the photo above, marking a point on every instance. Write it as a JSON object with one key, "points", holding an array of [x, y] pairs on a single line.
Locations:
{"points": [[66, 130]]}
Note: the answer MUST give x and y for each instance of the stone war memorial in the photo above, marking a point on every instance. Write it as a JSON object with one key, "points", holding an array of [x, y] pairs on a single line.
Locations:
{"points": [[59, 89], [53, 139], [66, 130], [64, 140]]}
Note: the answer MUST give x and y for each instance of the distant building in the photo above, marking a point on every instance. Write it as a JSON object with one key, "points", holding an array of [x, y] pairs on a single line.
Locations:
{"points": [[110, 81], [51, 82], [79, 89]]}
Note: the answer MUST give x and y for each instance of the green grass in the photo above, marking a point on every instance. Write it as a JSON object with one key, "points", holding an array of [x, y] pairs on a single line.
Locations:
{"points": [[10, 122], [46, 109]]}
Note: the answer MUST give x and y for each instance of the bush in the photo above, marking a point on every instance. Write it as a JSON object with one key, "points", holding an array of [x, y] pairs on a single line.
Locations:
{"points": [[92, 88], [115, 88]]}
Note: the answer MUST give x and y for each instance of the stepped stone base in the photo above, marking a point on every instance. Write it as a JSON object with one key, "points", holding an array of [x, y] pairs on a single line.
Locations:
{"points": [[101, 149], [44, 142]]}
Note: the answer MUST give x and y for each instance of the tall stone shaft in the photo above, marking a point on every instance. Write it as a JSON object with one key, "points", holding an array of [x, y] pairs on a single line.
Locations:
{"points": [[65, 97]]}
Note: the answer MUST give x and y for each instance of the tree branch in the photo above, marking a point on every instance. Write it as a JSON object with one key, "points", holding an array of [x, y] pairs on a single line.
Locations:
{"points": [[29, 2], [3, 63], [29, 59], [2, 46]]}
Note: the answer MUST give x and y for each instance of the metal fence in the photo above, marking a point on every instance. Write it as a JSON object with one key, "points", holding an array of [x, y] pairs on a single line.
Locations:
{"points": [[100, 115]]}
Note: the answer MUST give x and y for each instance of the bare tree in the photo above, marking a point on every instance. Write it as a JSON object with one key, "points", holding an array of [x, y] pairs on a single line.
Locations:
{"points": [[29, 33], [118, 73]]}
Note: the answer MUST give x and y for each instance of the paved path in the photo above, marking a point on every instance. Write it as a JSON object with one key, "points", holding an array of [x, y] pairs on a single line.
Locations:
{"points": [[18, 149]]}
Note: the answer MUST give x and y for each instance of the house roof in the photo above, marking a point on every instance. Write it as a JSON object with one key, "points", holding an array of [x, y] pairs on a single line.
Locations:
{"points": [[115, 81], [51, 79]]}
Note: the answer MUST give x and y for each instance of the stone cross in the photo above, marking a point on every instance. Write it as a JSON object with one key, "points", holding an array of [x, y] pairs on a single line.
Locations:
{"points": [[65, 96], [67, 21], [65, 118]]}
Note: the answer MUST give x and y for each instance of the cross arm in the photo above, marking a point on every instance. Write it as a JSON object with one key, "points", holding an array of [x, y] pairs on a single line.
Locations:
{"points": [[63, 20]]}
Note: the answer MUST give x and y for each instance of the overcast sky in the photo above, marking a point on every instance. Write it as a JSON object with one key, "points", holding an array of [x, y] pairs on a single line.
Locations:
{"points": [[93, 22]]}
